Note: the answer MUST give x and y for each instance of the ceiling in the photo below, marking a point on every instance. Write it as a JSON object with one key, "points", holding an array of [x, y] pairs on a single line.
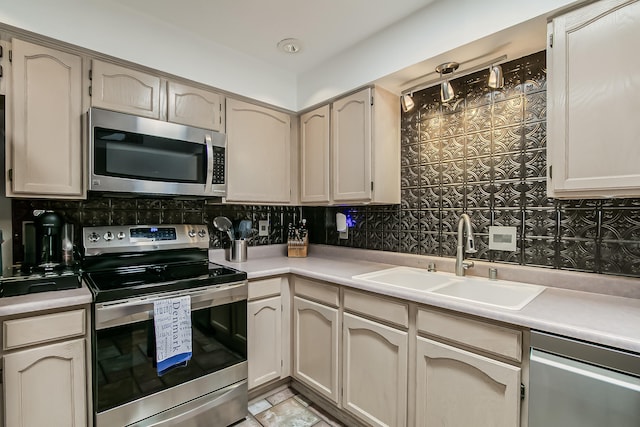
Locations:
{"points": [[254, 27]]}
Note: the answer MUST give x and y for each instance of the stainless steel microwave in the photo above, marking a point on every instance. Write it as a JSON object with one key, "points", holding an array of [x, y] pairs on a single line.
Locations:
{"points": [[131, 154]]}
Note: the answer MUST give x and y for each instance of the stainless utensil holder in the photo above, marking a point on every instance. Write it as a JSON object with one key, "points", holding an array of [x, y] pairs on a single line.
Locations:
{"points": [[238, 250]]}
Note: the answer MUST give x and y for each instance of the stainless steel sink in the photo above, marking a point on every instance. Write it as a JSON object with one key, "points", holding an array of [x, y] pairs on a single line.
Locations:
{"points": [[497, 293]]}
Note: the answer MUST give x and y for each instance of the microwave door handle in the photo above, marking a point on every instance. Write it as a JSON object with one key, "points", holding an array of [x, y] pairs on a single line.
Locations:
{"points": [[209, 182]]}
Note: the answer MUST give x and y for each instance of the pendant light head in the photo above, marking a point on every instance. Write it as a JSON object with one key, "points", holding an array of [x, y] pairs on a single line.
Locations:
{"points": [[446, 90], [407, 102], [496, 78]]}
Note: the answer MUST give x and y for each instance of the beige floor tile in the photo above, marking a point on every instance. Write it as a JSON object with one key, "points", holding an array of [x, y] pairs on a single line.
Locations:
{"points": [[248, 422], [280, 396], [324, 417], [300, 398], [259, 406], [289, 413]]}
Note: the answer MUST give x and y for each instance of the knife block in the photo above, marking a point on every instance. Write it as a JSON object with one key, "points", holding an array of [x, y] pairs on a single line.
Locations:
{"points": [[297, 248]]}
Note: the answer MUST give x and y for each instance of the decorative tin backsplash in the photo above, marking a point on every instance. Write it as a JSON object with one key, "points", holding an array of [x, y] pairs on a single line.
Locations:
{"points": [[485, 154], [98, 210]]}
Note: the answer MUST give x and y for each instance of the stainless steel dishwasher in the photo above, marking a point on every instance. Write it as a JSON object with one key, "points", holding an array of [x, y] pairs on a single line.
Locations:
{"points": [[577, 384]]}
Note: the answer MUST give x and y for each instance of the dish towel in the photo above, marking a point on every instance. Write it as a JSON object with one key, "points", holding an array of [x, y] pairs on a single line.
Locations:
{"points": [[172, 320]]}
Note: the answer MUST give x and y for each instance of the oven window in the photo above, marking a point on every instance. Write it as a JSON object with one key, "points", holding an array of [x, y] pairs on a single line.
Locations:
{"points": [[136, 156], [125, 367]]}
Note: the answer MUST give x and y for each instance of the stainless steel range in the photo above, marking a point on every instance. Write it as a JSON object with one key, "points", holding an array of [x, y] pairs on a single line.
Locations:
{"points": [[131, 268]]}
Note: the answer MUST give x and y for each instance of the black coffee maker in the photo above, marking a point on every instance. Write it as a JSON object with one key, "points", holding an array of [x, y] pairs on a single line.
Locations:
{"points": [[48, 246]]}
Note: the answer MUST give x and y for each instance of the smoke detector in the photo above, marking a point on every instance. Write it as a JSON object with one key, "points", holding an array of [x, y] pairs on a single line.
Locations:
{"points": [[290, 46]]}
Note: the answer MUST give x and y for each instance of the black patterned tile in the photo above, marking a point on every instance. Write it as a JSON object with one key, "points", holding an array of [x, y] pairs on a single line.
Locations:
{"points": [[452, 172], [535, 135], [374, 240], [430, 151], [410, 220], [410, 176], [449, 220], [452, 196], [149, 217], [171, 204], [535, 193], [477, 91], [513, 74], [391, 241], [621, 203], [479, 195], [478, 170], [478, 144], [453, 148], [122, 217], [96, 217], [620, 224], [430, 197], [453, 124], [478, 119], [190, 217], [448, 244], [195, 205], [409, 127], [535, 72], [410, 154], [482, 248], [374, 218], [535, 163], [410, 198], [577, 255], [428, 102], [430, 128], [507, 257], [620, 258], [97, 203], [508, 112], [507, 194], [429, 243], [579, 223], [535, 107], [541, 222], [170, 216], [481, 220], [457, 104], [508, 218], [507, 140], [409, 242], [539, 252], [430, 174], [429, 221]]}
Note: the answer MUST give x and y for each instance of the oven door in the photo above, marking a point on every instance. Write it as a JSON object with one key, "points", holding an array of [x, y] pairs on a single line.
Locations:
{"points": [[212, 386]]}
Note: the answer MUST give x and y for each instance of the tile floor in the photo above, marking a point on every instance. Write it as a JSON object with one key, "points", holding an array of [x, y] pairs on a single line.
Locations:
{"points": [[285, 408]]}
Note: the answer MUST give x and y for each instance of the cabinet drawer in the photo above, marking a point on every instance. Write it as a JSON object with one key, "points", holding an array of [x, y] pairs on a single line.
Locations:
{"points": [[264, 288], [41, 329], [494, 339], [376, 307], [317, 291]]}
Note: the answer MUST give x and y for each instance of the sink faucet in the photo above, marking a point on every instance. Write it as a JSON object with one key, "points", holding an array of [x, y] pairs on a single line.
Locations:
{"points": [[464, 224]]}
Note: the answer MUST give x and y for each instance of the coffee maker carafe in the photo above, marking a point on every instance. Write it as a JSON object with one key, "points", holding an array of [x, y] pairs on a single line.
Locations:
{"points": [[48, 226]]}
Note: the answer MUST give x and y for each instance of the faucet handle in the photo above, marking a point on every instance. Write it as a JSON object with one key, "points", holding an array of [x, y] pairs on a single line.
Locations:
{"points": [[467, 264]]}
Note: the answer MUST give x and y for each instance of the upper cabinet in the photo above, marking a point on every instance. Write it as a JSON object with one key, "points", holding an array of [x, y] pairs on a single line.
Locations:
{"points": [[364, 150], [258, 154], [44, 123], [122, 89], [593, 124], [117, 88]]}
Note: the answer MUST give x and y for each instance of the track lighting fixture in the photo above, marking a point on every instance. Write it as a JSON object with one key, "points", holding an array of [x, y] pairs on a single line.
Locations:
{"points": [[496, 78], [407, 102], [446, 90]]}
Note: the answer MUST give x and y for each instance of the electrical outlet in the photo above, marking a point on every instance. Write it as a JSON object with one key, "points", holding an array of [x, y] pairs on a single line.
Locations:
{"points": [[263, 228]]}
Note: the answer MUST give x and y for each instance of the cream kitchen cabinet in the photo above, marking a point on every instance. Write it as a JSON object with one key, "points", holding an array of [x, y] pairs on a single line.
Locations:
{"points": [[5, 66], [268, 331], [593, 127], [258, 153], [44, 123], [457, 385], [316, 337], [374, 361], [314, 154], [365, 148], [192, 106], [117, 88], [45, 373]]}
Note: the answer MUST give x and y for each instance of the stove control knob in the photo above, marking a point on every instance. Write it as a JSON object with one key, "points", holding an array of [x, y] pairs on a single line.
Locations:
{"points": [[202, 233], [93, 237], [108, 236], [192, 233], [121, 235]]}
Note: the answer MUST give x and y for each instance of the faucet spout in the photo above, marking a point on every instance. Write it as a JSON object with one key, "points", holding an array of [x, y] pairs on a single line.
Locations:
{"points": [[464, 226]]}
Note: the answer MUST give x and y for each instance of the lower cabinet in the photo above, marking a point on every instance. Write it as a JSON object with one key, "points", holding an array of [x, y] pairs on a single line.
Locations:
{"points": [[268, 336], [45, 376], [374, 371]]}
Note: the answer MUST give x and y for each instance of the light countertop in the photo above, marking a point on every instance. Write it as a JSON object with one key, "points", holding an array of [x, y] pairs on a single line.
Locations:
{"points": [[40, 301], [564, 308]]}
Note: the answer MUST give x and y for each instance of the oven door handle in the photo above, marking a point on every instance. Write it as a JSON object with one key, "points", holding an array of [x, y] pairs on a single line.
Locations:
{"points": [[108, 315]]}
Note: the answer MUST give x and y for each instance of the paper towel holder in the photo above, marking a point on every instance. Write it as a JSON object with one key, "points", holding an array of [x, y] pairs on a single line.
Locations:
{"points": [[341, 226]]}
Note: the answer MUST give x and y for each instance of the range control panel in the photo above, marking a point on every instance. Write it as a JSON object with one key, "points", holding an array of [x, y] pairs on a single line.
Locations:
{"points": [[139, 238]]}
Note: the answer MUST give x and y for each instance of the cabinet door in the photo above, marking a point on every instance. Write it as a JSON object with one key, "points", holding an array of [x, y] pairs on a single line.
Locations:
{"points": [[45, 386], [315, 346], [314, 154], [459, 388], [351, 147], [592, 101], [128, 91], [374, 372], [258, 153], [45, 140], [265, 340], [194, 107]]}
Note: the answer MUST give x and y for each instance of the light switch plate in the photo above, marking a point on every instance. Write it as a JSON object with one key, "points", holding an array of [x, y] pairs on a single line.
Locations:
{"points": [[502, 238], [263, 228]]}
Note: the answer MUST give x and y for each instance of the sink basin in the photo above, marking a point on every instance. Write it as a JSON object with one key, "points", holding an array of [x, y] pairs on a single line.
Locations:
{"points": [[406, 277], [503, 294]]}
